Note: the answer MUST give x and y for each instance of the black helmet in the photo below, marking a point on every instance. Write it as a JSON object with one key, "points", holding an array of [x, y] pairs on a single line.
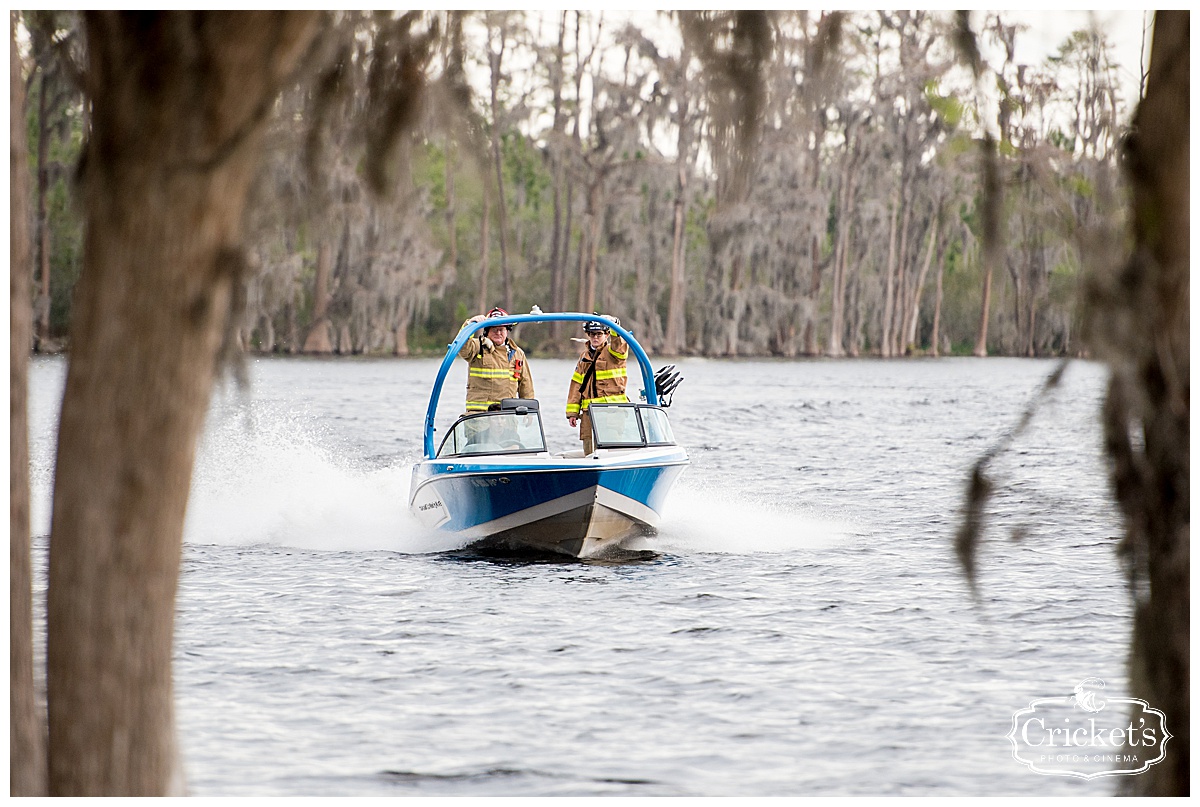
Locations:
{"points": [[595, 326]]}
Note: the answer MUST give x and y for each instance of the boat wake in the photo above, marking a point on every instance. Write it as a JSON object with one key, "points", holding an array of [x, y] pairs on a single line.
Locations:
{"points": [[276, 479], [700, 520]]}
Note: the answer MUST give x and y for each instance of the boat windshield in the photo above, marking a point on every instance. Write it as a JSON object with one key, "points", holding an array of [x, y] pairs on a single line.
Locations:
{"points": [[630, 425], [505, 432]]}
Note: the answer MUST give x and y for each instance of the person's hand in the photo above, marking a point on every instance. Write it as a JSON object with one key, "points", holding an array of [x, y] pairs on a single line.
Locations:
{"points": [[572, 419], [488, 344], [611, 318], [478, 318]]}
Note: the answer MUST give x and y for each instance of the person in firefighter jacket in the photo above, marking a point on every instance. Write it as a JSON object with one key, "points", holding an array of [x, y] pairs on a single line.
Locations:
{"points": [[497, 368], [599, 377]]}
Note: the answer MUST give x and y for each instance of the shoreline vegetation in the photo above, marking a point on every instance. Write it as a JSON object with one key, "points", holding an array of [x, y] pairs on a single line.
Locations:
{"points": [[593, 162]]}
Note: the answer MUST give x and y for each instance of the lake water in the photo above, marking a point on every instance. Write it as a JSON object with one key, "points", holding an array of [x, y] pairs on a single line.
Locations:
{"points": [[803, 629]]}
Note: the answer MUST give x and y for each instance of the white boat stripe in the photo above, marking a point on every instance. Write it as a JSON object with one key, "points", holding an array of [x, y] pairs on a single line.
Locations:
{"points": [[626, 506], [562, 504]]}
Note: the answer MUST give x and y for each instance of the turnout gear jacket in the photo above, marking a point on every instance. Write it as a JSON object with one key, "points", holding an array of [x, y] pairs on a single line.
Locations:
{"points": [[599, 377], [501, 371]]}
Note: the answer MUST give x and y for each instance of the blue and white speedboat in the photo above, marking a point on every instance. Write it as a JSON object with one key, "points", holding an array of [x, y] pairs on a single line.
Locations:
{"points": [[493, 480]]}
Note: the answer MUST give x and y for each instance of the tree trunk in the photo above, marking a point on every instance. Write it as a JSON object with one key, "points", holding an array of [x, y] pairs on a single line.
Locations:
{"points": [[992, 250], [558, 237], [27, 730], [935, 345], [1142, 328], [318, 340], [401, 330], [910, 337], [812, 344], [900, 298], [267, 345], [42, 324], [676, 335], [885, 343], [563, 290], [556, 242], [837, 318], [178, 107], [856, 325], [451, 207], [484, 249], [837, 296], [587, 277], [984, 308], [494, 59]]}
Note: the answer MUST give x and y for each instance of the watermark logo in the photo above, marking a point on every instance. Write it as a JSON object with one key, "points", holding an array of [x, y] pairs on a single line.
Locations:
{"points": [[1088, 736]]}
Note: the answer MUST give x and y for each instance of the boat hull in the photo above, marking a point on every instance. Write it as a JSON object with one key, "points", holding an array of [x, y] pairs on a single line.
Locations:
{"points": [[580, 508]]}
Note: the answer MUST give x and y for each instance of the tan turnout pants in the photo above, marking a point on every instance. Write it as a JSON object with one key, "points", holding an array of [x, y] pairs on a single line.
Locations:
{"points": [[585, 432]]}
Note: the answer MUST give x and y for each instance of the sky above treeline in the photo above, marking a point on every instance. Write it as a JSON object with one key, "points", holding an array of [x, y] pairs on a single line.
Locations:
{"points": [[1046, 31]]}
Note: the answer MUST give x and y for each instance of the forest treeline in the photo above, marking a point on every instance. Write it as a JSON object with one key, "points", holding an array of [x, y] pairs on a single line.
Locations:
{"points": [[828, 204]]}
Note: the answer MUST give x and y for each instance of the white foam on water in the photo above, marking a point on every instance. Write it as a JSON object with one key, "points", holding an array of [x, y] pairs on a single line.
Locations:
{"points": [[270, 478], [703, 520]]}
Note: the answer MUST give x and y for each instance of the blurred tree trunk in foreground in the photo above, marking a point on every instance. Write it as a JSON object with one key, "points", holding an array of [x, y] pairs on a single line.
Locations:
{"points": [[1141, 327], [27, 743], [179, 104], [1138, 322]]}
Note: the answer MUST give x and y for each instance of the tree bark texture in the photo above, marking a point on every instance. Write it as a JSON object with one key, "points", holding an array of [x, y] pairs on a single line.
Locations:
{"points": [[179, 101], [26, 736], [1141, 326]]}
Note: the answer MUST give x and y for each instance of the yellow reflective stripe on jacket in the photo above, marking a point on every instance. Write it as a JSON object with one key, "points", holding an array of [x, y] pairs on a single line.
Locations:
{"points": [[618, 372], [488, 372], [479, 406], [572, 409], [577, 378], [605, 399], [615, 353]]}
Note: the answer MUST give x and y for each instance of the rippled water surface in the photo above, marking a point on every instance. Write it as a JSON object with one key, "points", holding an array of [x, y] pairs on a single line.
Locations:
{"points": [[802, 630]]}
